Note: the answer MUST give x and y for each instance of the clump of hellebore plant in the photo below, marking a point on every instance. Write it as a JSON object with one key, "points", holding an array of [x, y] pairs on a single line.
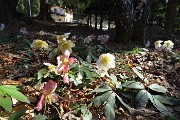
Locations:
{"points": [[47, 91]]}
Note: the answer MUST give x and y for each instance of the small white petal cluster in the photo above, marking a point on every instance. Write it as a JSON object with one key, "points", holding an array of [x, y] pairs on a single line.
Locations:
{"points": [[24, 31], [66, 35], [167, 45], [148, 44], [87, 39], [51, 67], [42, 33], [103, 38], [105, 62], [2, 26], [74, 37]]}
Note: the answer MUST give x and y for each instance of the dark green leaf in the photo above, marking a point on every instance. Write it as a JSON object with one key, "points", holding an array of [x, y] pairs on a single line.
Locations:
{"points": [[142, 99], [53, 53], [133, 85], [167, 100], [89, 58], [125, 105], [99, 100], [14, 93], [113, 78], [87, 115], [17, 115], [5, 101], [157, 88], [40, 117], [159, 106], [140, 75], [109, 109], [103, 88], [74, 106], [41, 73]]}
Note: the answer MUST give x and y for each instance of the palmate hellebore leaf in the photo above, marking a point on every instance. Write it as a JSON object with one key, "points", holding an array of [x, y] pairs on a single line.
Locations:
{"points": [[103, 88], [17, 115], [140, 75], [99, 100], [142, 99], [124, 104], [159, 106], [167, 100], [115, 81], [133, 85], [87, 115], [13, 91], [5, 101], [157, 88], [109, 109]]}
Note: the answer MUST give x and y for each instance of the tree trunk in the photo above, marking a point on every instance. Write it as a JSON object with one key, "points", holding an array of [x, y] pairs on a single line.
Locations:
{"points": [[101, 22], [109, 22], [44, 10], [140, 23], [8, 10], [90, 21], [96, 16], [170, 14], [122, 22]]}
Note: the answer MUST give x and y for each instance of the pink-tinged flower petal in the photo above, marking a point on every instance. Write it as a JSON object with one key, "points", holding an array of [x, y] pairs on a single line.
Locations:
{"points": [[66, 68], [41, 103], [66, 54], [72, 60], [59, 60], [66, 78], [60, 68], [49, 88]]}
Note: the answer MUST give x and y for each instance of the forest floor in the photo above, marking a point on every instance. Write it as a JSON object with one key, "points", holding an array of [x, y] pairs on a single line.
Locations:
{"points": [[19, 65]]}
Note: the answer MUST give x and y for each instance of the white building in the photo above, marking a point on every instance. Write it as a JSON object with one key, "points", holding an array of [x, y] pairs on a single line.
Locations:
{"points": [[60, 14]]}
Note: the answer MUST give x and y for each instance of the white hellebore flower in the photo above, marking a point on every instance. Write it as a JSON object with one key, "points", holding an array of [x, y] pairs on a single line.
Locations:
{"points": [[39, 44], [158, 45], [23, 31], [105, 62], [168, 45], [51, 67], [2, 26], [67, 45]]}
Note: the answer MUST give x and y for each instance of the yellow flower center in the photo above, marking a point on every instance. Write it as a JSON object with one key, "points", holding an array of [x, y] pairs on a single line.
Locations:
{"points": [[168, 44], [106, 59], [39, 42], [66, 60], [65, 45], [51, 67]]}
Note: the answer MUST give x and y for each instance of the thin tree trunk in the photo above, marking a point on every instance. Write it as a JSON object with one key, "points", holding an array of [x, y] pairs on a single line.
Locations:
{"points": [[109, 22], [170, 14], [44, 10], [96, 16], [139, 26], [8, 10], [122, 23], [101, 22], [90, 21]]}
